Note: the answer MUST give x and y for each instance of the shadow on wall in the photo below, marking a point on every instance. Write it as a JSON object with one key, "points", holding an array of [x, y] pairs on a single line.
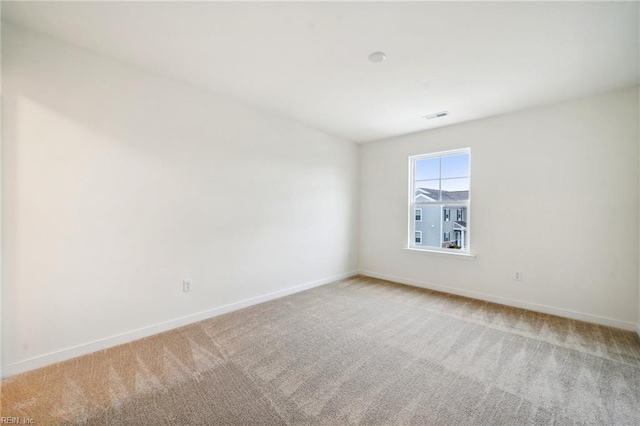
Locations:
{"points": [[118, 184]]}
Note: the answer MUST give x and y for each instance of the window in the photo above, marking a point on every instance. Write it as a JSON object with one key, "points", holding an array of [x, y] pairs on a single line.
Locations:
{"points": [[418, 237], [440, 192]]}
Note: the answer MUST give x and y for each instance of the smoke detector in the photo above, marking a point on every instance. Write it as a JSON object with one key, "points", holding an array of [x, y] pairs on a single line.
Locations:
{"points": [[377, 57]]}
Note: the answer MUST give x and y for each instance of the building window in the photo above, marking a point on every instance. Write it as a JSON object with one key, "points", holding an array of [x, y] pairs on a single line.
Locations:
{"points": [[418, 237], [439, 186]]}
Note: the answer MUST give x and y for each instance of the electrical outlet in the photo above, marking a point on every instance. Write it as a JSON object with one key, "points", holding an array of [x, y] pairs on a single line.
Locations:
{"points": [[517, 275], [187, 285]]}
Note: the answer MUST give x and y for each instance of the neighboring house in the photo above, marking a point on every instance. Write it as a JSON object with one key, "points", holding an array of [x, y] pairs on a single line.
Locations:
{"points": [[440, 225]]}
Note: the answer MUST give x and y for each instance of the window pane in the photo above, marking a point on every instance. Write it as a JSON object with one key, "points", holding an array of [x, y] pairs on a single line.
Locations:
{"points": [[455, 166], [455, 189], [430, 226], [427, 190], [429, 168], [441, 188], [455, 230]]}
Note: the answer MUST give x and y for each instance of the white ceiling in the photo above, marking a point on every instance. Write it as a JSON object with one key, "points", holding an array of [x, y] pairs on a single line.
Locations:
{"points": [[308, 61]]}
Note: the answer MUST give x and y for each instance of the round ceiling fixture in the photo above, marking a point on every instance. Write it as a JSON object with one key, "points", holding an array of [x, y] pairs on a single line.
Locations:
{"points": [[377, 57]]}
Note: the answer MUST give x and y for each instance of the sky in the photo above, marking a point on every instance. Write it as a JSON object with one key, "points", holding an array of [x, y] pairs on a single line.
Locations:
{"points": [[452, 169]]}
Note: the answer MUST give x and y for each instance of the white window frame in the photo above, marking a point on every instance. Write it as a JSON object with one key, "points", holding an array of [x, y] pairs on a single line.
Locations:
{"points": [[414, 237], [416, 215], [413, 205]]}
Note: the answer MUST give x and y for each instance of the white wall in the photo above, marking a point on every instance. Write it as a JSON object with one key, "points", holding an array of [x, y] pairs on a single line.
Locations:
{"points": [[554, 194], [638, 324], [118, 183], [1, 225]]}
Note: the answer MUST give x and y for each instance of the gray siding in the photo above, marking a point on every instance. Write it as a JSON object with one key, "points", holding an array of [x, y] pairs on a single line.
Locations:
{"points": [[430, 226], [434, 231]]}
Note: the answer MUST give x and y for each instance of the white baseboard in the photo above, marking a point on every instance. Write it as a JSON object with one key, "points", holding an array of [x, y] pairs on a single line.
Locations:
{"points": [[97, 345], [509, 302]]}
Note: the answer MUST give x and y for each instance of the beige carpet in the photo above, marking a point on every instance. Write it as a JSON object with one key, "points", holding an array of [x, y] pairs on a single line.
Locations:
{"points": [[359, 351]]}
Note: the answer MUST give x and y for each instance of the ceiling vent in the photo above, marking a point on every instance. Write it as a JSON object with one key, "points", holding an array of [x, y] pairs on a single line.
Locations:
{"points": [[437, 115]]}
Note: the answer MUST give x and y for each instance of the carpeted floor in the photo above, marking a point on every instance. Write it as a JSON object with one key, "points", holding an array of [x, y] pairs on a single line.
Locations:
{"points": [[359, 351]]}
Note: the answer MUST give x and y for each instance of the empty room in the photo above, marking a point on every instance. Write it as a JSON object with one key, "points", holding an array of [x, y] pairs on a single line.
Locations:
{"points": [[320, 213]]}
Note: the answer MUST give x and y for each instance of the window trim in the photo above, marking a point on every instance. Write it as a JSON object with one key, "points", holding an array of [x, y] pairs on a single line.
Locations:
{"points": [[412, 205], [451, 254]]}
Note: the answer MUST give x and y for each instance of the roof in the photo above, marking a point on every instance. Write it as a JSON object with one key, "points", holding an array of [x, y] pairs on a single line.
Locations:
{"points": [[432, 195]]}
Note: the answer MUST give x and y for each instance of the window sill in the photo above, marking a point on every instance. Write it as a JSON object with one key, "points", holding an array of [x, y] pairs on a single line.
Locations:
{"points": [[442, 253]]}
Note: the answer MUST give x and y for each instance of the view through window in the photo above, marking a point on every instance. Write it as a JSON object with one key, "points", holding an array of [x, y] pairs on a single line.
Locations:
{"points": [[439, 200]]}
